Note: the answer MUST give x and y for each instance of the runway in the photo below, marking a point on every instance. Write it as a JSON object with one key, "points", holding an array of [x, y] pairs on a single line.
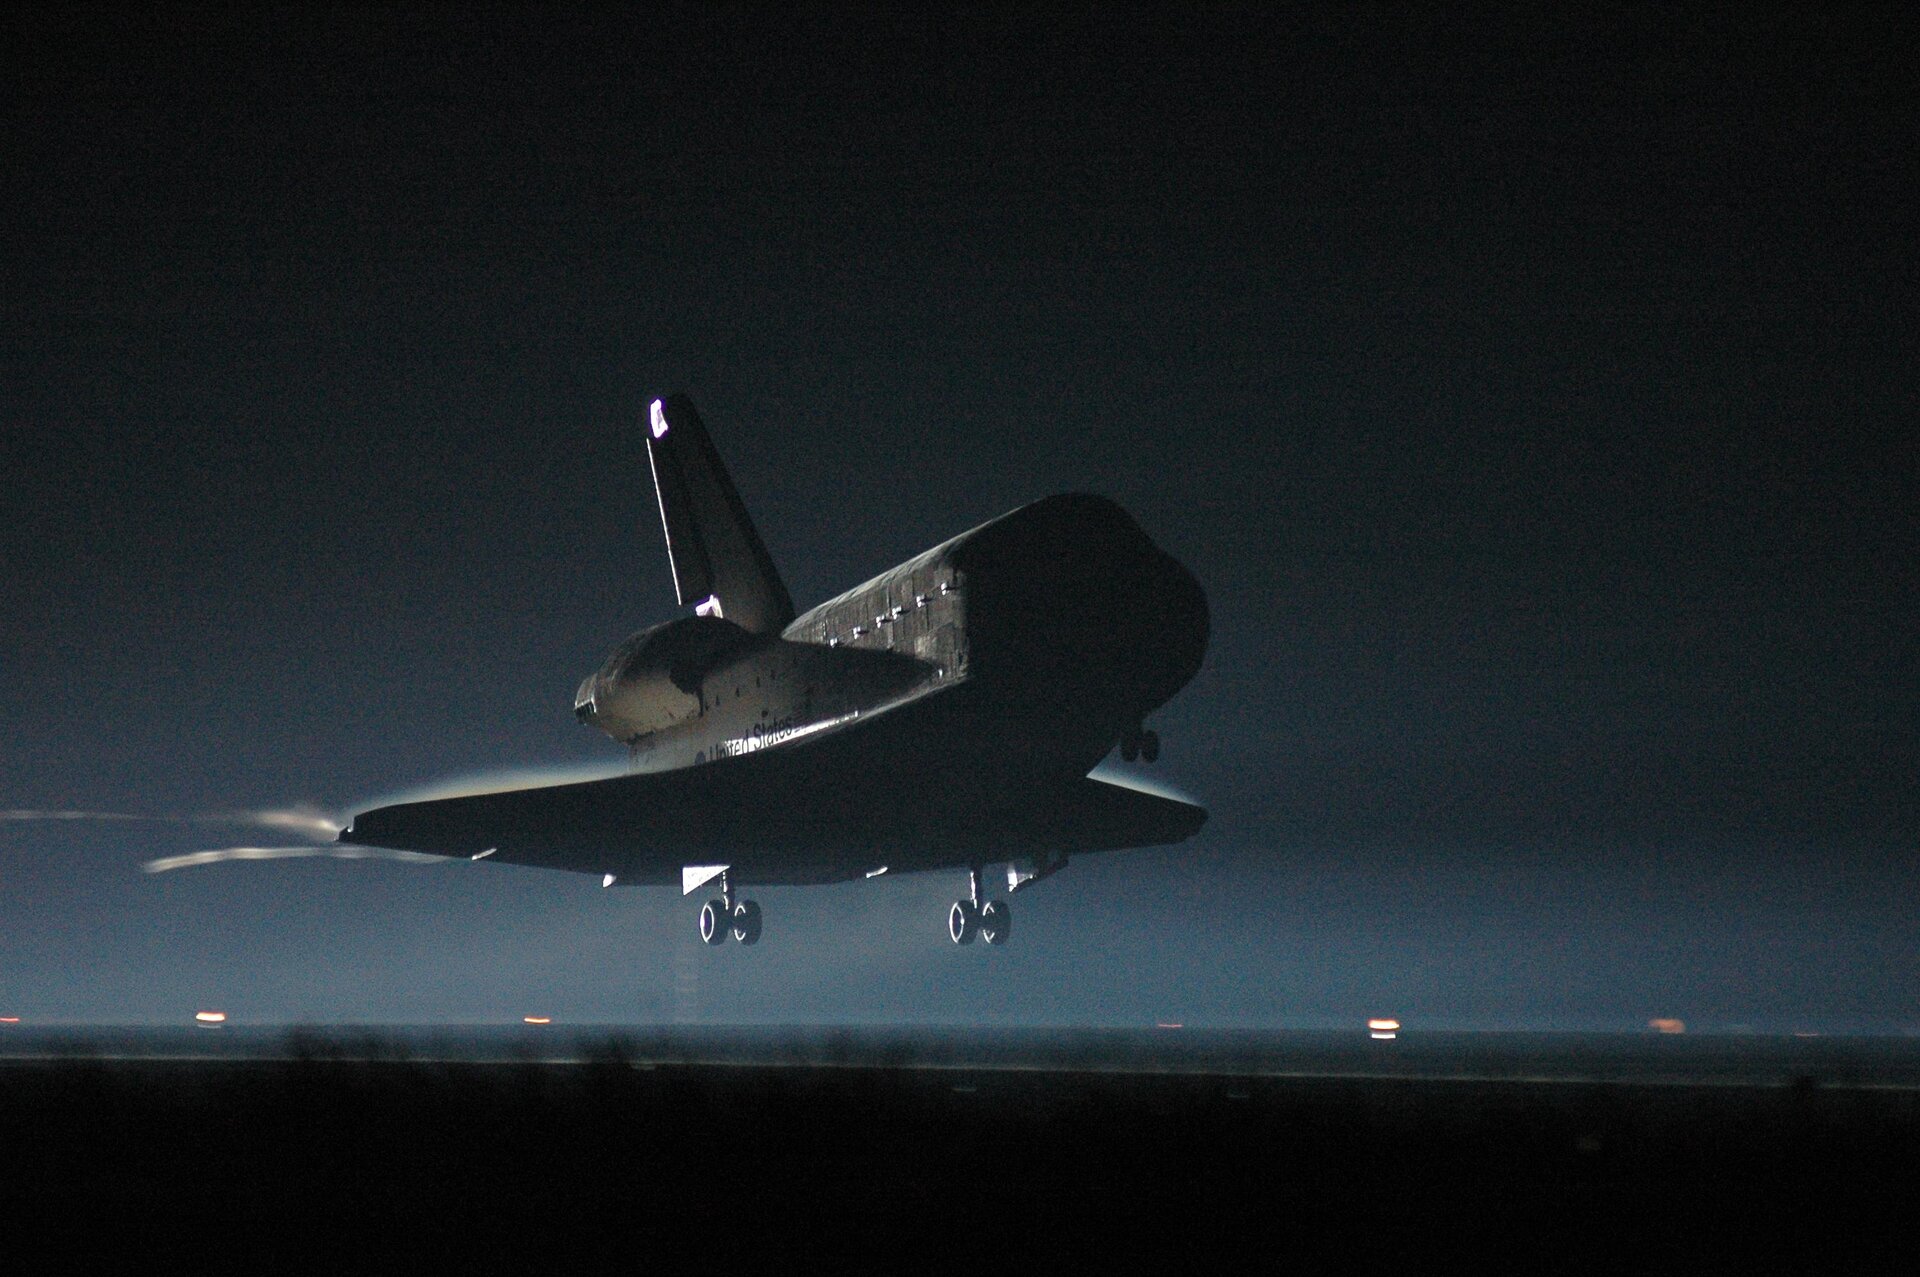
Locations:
{"points": [[878, 1149], [1834, 1061]]}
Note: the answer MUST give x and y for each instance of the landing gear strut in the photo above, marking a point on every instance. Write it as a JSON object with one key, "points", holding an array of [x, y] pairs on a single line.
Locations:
{"points": [[991, 921], [725, 914], [1143, 744]]}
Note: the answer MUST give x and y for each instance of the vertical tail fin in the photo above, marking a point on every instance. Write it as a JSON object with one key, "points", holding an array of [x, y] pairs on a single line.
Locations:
{"points": [[719, 563]]}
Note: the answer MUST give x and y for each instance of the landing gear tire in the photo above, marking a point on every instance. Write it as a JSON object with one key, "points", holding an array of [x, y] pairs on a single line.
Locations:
{"points": [[963, 922], [996, 922], [1149, 746], [746, 922], [714, 922]]}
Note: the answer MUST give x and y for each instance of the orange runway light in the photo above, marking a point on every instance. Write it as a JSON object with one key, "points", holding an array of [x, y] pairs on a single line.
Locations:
{"points": [[537, 1019], [210, 1019], [1383, 1025], [1666, 1024], [9, 1019]]}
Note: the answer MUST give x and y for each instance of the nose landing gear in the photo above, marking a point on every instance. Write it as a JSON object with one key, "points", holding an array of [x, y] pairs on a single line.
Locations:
{"points": [[991, 921], [720, 916]]}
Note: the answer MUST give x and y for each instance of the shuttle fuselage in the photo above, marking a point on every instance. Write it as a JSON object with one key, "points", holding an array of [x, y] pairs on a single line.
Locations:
{"points": [[1069, 624]]}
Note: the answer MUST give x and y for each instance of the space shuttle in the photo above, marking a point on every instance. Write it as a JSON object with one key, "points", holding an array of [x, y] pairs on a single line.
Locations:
{"points": [[941, 716]]}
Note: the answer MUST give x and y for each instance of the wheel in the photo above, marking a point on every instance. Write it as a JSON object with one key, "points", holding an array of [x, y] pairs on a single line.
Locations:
{"points": [[963, 922], [1129, 746], [1150, 746], [996, 922], [746, 922], [713, 922]]}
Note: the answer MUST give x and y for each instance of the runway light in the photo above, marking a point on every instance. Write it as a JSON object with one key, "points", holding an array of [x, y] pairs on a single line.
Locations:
{"points": [[210, 1019], [537, 1019], [658, 420], [1383, 1028], [1165, 1024], [1667, 1024], [9, 1019]]}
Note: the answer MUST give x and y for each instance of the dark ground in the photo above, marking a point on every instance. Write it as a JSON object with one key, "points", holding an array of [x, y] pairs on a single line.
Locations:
{"points": [[347, 1152]]}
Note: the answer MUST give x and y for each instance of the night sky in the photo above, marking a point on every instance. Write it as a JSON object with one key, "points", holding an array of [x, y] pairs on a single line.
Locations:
{"points": [[1536, 404]]}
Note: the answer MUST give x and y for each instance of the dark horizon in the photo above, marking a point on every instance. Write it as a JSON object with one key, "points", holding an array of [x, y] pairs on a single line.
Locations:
{"points": [[1534, 401]]}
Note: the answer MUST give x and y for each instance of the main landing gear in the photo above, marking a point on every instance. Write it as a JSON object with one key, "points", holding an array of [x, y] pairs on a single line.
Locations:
{"points": [[992, 921], [1140, 743], [718, 917]]}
